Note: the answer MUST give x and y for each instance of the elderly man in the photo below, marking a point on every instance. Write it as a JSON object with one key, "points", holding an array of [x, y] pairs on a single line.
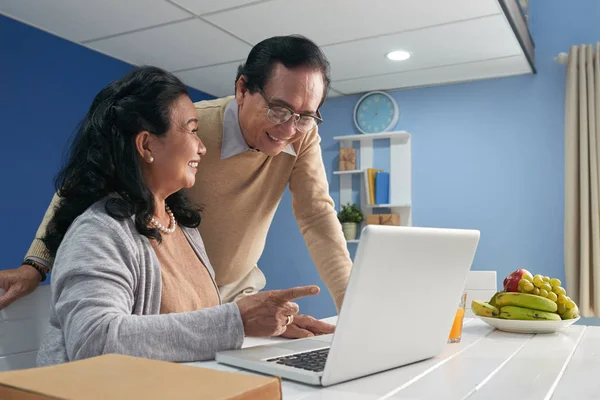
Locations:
{"points": [[258, 142]]}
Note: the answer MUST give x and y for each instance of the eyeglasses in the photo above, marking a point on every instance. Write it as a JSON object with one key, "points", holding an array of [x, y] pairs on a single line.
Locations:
{"points": [[279, 114]]}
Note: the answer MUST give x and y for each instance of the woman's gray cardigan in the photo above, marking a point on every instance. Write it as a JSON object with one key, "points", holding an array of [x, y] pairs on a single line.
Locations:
{"points": [[106, 294]]}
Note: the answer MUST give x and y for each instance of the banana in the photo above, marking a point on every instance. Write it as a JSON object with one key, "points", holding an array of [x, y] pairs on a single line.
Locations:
{"points": [[521, 313], [492, 301], [484, 309], [525, 300], [571, 313]]}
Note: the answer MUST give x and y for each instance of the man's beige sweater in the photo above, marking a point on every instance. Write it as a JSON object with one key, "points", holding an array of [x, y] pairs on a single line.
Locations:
{"points": [[239, 196]]}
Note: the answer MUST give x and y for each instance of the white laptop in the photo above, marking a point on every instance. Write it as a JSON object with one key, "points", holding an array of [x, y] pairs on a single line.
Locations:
{"points": [[404, 289]]}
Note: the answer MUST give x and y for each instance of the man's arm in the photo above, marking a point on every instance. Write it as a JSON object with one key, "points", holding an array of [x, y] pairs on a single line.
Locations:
{"points": [[19, 282], [317, 219], [37, 250]]}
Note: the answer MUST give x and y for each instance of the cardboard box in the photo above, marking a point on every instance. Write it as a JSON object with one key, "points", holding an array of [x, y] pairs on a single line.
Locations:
{"points": [[383, 219], [115, 376], [372, 219], [347, 159], [389, 219]]}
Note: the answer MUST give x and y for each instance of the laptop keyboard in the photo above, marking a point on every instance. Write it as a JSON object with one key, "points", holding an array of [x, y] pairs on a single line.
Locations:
{"points": [[312, 360]]}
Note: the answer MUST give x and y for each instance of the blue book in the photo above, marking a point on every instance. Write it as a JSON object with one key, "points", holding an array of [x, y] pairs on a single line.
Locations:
{"points": [[382, 188]]}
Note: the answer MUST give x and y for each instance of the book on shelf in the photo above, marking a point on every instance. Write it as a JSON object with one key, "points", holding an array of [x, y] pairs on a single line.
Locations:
{"points": [[371, 172], [382, 188], [377, 186], [366, 187]]}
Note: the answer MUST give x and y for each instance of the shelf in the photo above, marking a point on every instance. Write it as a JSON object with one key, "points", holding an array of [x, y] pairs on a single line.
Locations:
{"points": [[353, 171], [398, 144], [370, 136], [388, 205]]}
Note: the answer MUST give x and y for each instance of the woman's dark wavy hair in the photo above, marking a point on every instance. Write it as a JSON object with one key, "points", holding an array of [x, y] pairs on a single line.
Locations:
{"points": [[103, 159]]}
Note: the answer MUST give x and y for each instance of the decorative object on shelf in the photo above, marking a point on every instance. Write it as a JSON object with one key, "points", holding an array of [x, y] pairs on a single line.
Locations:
{"points": [[389, 219], [347, 159], [383, 219], [372, 219], [350, 216], [376, 112]]}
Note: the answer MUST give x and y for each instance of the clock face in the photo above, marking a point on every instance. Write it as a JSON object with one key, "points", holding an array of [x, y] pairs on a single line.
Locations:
{"points": [[376, 112]]}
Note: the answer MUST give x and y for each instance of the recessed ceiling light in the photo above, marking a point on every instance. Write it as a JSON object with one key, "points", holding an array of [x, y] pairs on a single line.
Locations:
{"points": [[398, 55]]}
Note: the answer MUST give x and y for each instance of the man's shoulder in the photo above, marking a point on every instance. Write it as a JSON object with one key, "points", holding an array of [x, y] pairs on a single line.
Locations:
{"points": [[311, 140], [210, 121], [212, 104]]}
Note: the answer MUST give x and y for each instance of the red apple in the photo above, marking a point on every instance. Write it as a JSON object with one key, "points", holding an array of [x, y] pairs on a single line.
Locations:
{"points": [[511, 282]]}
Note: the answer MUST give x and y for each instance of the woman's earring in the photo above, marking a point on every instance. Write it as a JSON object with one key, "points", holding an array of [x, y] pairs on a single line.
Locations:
{"points": [[151, 159]]}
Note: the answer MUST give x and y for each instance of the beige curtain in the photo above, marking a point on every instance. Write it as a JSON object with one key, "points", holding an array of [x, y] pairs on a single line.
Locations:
{"points": [[582, 185]]}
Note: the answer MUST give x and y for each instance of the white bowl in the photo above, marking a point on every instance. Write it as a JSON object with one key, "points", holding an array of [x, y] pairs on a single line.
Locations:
{"points": [[526, 326]]}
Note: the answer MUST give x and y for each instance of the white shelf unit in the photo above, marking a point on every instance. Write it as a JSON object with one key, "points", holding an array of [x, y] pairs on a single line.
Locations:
{"points": [[349, 172], [400, 173]]}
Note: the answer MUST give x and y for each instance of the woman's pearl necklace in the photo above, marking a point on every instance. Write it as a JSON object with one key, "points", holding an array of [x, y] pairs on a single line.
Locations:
{"points": [[172, 224]]}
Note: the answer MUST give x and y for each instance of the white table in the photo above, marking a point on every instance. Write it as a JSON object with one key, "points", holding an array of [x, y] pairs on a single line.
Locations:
{"points": [[487, 364]]}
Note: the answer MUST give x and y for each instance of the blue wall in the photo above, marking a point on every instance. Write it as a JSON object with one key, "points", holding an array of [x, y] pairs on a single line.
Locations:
{"points": [[47, 86], [486, 155]]}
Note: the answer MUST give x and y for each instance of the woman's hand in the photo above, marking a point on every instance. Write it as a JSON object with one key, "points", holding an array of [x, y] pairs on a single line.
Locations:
{"points": [[270, 312], [306, 326]]}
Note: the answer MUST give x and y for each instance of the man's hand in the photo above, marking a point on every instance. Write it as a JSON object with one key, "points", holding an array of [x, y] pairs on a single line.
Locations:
{"points": [[17, 283], [269, 313], [306, 326]]}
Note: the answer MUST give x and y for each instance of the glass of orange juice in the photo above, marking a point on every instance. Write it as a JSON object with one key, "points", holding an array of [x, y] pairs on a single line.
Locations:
{"points": [[457, 325]]}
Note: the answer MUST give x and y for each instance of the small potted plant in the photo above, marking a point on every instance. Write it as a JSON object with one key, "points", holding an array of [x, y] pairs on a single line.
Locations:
{"points": [[350, 216]]}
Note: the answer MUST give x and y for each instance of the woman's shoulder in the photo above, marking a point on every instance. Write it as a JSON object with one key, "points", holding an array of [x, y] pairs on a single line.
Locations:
{"points": [[95, 232], [97, 242], [97, 219]]}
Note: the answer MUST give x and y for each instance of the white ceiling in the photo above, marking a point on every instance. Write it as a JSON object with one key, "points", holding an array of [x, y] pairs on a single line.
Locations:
{"points": [[204, 41]]}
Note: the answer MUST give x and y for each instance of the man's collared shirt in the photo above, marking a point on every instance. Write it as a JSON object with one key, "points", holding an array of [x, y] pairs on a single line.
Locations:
{"points": [[233, 140]]}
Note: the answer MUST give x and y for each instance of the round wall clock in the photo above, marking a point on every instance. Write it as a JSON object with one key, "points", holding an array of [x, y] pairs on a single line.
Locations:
{"points": [[376, 112]]}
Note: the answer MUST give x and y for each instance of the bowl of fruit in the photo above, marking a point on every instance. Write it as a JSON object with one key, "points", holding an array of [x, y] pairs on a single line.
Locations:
{"points": [[528, 304]]}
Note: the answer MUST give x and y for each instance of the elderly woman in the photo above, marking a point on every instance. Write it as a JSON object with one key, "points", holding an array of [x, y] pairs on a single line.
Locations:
{"points": [[130, 274]]}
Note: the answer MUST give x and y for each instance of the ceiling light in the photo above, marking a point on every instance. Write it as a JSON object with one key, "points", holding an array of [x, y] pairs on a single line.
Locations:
{"points": [[398, 55]]}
